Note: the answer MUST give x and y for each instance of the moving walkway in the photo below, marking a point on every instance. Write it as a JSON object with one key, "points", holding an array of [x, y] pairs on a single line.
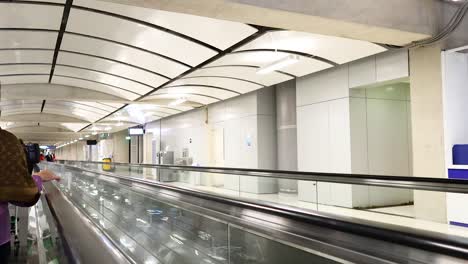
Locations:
{"points": [[125, 214]]}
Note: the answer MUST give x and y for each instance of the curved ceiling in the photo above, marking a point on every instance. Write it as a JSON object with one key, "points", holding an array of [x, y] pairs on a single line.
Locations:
{"points": [[146, 58]]}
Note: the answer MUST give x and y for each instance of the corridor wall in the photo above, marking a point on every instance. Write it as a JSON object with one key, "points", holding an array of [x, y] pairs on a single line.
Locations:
{"points": [[239, 132], [355, 119], [455, 79]]}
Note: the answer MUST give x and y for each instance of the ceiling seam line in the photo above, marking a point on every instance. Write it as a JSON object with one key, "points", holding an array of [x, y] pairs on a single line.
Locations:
{"points": [[32, 2], [202, 85], [111, 74], [24, 74], [248, 66], [43, 105], [58, 43], [29, 29], [90, 55], [219, 55], [116, 61], [54, 105], [214, 58], [71, 77], [222, 77], [307, 55], [196, 94], [148, 24], [84, 79], [226, 77], [130, 46], [78, 103], [58, 104], [78, 67]]}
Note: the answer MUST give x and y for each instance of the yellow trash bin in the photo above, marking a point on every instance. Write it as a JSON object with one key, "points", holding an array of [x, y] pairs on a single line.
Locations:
{"points": [[107, 164]]}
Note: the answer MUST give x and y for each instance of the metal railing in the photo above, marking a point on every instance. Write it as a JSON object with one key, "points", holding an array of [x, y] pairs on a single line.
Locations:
{"points": [[434, 242]]}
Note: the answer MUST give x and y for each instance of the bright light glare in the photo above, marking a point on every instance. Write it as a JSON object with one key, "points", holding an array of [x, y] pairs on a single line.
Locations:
{"points": [[108, 128], [94, 133], [178, 102], [279, 64], [87, 136]]}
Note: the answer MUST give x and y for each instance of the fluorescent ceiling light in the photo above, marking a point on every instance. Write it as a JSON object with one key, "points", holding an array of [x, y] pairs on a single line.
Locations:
{"points": [[178, 102], [119, 124], [279, 64], [87, 136], [94, 133], [107, 128]]}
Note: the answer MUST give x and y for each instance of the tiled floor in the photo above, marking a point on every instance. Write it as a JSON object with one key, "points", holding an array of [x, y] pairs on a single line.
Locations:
{"points": [[396, 215]]}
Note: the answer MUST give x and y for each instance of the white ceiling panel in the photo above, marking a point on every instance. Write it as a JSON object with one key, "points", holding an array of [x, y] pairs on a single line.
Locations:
{"points": [[76, 106], [135, 34], [103, 78], [95, 86], [24, 79], [25, 107], [74, 126], [304, 66], [110, 67], [101, 106], [83, 115], [218, 93], [114, 105], [243, 73], [219, 33], [16, 39], [30, 16], [141, 113], [26, 56], [201, 99], [336, 49], [19, 102], [122, 53], [20, 112], [231, 84], [24, 69]]}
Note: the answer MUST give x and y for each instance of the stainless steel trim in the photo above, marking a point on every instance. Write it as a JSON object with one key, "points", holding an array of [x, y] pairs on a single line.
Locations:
{"points": [[87, 243]]}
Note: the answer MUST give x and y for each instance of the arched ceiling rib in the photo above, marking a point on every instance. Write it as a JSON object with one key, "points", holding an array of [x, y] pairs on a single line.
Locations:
{"points": [[132, 60]]}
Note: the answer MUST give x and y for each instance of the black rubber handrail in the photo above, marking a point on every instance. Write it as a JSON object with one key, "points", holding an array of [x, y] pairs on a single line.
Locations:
{"points": [[407, 182]]}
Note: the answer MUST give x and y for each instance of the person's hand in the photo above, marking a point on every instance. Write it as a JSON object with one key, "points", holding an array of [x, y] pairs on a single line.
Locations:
{"points": [[47, 175]]}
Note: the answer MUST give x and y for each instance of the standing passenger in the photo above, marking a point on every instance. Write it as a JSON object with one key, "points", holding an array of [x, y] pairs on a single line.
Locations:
{"points": [[16, 185]]}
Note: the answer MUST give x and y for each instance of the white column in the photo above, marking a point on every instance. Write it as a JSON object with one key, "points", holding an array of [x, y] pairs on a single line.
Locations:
{"points": [[427, 129]]}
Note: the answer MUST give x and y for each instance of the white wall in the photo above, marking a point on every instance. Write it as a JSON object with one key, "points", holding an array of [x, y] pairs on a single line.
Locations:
{"points": [[345, 128], [455, 80], [115, 147], [455, 101], [247, 126]]}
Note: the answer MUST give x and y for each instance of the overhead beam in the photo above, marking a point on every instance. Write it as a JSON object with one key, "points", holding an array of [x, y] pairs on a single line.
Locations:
{"points": [[370, 20]]}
